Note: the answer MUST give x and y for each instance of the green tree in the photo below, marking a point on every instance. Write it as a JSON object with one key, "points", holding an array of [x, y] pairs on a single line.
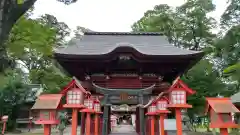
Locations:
{"points": [[189, 26], [61, 28], [13, 94], [11, 11], [32, 43], [186, 26], [205, 80], [227, 48]]}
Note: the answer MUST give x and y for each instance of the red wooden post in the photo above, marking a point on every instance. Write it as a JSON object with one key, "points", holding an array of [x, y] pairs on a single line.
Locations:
{"points": [[4, 119], [223, 131], [179, 121], [74, 121], [161, 126], [82, 123], [88, 124], [47, 129], [96, 124], [152, 125]]}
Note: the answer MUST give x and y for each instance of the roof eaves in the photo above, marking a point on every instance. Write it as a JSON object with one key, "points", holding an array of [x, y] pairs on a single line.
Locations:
{"points": [[125, 33]]}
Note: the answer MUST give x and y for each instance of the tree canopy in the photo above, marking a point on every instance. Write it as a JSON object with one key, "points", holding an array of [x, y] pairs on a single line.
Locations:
{"points": [[189, 26], [11, 11]]}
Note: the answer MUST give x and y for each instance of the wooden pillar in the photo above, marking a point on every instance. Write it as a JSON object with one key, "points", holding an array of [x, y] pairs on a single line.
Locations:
{"points": [[96, 122], [152, 124], [223, 131], [109, 120], [178, 121], [105, 120], [142, 116], [137, 120], [161, 124], [74, 121], [47, 129], [88, 124], [83, 123]]}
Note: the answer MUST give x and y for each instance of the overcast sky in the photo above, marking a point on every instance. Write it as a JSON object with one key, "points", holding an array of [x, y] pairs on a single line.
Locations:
{"points": [[106, 15]]}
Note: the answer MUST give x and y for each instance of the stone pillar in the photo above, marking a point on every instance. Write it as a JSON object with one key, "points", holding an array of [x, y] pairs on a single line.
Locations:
{"points": [[109, 119], [106, 111], [105, 125], [142, 116], [137, 120]]}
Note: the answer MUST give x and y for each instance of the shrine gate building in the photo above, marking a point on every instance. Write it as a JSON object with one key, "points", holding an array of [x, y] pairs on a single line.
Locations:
{"points": [[125, 68]]}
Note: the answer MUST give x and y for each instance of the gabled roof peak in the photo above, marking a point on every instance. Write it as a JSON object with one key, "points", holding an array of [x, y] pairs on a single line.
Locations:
{"points": [[179, 84], [74, 83]]}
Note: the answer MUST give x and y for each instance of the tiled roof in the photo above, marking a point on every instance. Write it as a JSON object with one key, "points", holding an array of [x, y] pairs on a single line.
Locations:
{"points": [[222, 105], [99, 43], [48, 101]]}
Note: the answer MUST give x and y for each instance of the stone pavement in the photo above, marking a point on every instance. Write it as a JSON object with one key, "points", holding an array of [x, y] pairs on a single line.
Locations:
{"points": [[118, 130], [123, 129]]}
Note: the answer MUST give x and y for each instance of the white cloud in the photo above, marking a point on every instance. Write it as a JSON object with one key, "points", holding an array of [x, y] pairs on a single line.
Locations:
{"points": [[102, 15]]}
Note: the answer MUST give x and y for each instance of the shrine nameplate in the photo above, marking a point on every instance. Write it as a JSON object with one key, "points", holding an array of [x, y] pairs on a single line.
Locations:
{"points": [[123, 96]]}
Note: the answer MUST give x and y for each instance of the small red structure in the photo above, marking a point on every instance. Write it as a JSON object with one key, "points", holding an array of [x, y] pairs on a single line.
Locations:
{"points": [[97, 109], [178, 93], [4, 120], [89, 103], [151, 112], [162, 111], [47, 104], [158, 108], [220, 110], [75, 94]]}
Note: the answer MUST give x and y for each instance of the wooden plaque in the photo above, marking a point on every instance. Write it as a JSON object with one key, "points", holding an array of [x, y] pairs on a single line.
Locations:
{"points": [[124, 96]]}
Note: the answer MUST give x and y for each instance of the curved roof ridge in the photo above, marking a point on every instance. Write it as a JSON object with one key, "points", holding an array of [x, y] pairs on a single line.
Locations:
{"points": [[125, 33], [102, 43]]}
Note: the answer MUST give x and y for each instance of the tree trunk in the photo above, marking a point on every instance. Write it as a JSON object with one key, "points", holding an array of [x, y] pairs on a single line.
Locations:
{"points": [[10, 12]]}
